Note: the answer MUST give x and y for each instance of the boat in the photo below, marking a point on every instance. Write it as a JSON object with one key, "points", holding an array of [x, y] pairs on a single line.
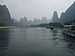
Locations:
{"points": [[50, 27], [69, 30]]}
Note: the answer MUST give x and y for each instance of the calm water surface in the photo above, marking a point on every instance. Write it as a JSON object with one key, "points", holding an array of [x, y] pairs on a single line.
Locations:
{"points": [[35, 42]]}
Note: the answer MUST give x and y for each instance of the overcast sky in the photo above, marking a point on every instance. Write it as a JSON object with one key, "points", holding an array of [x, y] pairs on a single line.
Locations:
{"points": [[36, 8]]}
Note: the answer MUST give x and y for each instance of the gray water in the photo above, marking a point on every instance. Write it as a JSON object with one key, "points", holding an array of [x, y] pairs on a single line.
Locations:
{"points": [[35, 42]]}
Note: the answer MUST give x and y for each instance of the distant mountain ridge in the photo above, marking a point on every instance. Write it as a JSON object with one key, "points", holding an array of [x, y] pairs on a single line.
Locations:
{"points": [[55, 18]]}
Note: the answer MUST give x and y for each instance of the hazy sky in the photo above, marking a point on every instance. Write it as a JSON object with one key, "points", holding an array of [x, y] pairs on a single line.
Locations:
{"points": [[36, 8]]}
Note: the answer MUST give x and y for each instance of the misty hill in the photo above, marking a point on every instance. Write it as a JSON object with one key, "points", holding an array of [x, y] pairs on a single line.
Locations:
{"points": [[69, 16], [55, 18], [4, 16]]}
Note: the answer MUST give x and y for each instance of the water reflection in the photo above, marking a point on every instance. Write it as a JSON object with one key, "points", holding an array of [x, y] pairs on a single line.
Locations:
{"points": [[4, 42], [70, 43], [54, 34], [29, 42]]}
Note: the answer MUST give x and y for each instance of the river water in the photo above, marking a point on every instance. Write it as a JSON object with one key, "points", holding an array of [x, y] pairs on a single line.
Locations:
{"points": [[35, 42]]}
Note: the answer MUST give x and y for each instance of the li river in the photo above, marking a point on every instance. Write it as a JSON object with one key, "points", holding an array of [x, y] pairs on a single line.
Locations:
{"points": [[35, 42]]}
